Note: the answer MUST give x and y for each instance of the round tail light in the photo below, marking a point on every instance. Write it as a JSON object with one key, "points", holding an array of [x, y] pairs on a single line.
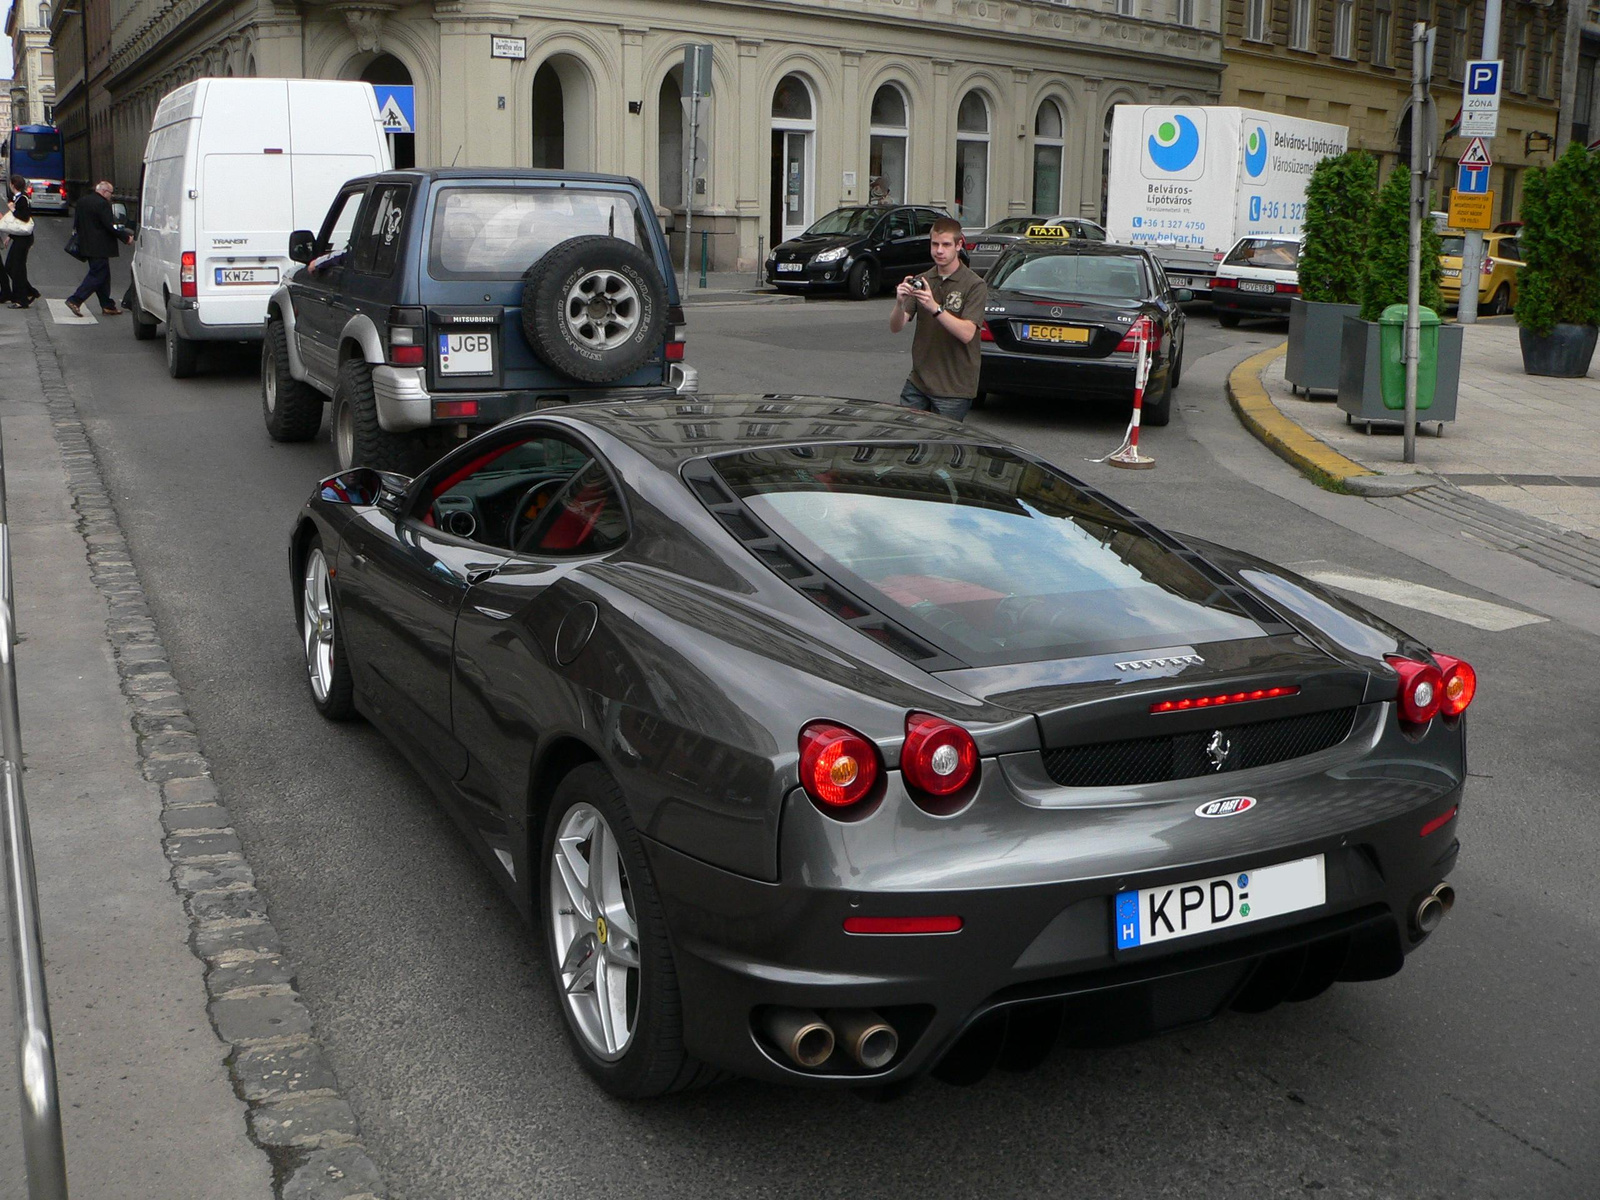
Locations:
{"points": [[939, 758], [1421, 689], [838, 767], [1460, 685]]}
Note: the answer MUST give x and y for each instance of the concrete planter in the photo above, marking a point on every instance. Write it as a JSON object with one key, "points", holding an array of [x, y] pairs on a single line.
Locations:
{"points": [[1360, 389], [1565, 354], [1316, 333]]}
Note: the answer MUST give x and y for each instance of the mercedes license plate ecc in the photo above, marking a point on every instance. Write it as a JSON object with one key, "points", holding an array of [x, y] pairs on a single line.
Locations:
{"points": [[1180, 910], [466, 354]]}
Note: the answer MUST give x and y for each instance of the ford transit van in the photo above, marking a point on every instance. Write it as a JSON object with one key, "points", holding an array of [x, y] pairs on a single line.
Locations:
{"points": [[231, 168]]}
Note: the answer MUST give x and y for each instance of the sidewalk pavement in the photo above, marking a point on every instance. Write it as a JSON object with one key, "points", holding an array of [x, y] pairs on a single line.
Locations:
{"points": [[734, 287], [1523, 442]]}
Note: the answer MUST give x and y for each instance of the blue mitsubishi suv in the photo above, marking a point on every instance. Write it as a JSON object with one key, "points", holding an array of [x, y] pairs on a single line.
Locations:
{"points": [[435, 303]]}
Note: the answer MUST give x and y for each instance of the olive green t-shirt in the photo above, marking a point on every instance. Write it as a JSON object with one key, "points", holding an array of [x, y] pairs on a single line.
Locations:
{"points": [[942, 364]]}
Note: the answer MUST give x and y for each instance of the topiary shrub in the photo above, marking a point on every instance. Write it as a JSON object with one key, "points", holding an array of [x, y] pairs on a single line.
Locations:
{"points": [[1339, 199], [1389, 251], [1560, 240]]}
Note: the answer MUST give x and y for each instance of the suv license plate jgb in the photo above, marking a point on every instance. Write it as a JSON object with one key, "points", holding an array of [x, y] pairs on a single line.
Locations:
{"points": [[466, 354]]}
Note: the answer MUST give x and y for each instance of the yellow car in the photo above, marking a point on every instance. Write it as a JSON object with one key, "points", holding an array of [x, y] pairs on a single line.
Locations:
{"points": [[1497, 281]]}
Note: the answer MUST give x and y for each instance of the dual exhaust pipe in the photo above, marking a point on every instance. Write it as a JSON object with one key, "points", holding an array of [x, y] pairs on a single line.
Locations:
{"points": [[808, 1039], [1432, 908]]}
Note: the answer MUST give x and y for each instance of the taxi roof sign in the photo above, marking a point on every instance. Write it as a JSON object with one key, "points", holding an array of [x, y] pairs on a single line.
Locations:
{"points": [[1048, 233]]}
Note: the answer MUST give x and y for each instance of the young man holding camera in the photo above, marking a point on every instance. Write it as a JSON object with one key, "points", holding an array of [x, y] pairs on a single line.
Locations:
{"points": [[947, 304]]}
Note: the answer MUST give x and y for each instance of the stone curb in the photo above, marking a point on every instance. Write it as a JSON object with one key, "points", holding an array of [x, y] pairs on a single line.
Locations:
{"points": [[1311, 456], [295, 1112]]}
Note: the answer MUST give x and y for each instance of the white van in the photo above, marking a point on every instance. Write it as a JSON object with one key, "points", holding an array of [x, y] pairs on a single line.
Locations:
{"points": [[232, 167]]}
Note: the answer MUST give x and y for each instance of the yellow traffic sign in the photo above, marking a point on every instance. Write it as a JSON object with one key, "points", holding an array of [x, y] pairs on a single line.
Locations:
{"points": [[1048, 233], [1471, 211]]}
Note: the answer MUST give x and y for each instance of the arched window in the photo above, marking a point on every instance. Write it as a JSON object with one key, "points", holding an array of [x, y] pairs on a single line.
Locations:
{"points": [[549, 119], [1105, 160], [891, 130], [669, 140], [794, 128], [972, 160], [1049, 148], [385, 69], [44, 16], [563, 115]]}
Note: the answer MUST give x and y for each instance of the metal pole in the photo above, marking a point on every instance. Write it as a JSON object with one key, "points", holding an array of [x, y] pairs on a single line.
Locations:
{"points": [[705, 238], [43, 1149], [688, 177], [1472, 244], [1419, 156]]}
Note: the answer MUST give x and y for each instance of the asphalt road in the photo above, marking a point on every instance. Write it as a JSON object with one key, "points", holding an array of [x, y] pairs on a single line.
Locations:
{"points": [[1472, 1073]]}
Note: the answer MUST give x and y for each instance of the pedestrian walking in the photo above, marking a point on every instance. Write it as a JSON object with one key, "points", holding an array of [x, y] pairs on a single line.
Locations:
{"points": [[947, 306], [18, 225], [98, 236]]}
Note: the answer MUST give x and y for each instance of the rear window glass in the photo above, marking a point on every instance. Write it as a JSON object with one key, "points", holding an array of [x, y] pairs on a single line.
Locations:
{"points": [[1012, 225], [987, 555], [1260, 252], [498, 233], [1450, 247], [1111, 276]]}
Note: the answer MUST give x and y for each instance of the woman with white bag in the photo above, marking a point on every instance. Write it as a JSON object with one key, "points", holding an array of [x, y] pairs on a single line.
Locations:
{"points": [[17, 223]]}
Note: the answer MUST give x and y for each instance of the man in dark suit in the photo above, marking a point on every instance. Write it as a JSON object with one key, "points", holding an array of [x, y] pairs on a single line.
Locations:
{"points": [[98, 236]]}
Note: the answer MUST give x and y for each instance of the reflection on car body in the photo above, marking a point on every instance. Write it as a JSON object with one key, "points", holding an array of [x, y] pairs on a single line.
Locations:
{"points": [[801, 727]]}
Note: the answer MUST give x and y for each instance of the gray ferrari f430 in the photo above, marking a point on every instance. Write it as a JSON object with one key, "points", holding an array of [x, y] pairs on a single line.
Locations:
{"points": [[831, 742]]}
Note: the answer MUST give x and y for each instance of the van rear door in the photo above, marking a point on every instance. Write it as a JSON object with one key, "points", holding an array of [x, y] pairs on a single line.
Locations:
{"points": [[246, 199], [335, 134]]}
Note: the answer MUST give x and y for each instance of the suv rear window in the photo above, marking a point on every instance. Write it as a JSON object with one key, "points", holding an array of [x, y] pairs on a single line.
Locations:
{"points": [[989, 556], [498, 233]]}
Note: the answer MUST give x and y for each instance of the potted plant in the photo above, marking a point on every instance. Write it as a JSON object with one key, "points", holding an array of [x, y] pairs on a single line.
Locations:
{"points": [[1558, 288], [1361, 361], [1332, 267]]}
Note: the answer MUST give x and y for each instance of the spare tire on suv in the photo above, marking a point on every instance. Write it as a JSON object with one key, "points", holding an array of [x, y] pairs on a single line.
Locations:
{"points": [[594, 308]]}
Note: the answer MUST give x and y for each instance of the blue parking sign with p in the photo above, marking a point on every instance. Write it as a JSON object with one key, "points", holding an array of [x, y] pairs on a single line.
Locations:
{"points": [[1483, 79]]}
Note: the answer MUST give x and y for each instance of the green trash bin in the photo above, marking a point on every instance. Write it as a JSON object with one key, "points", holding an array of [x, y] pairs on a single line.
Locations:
{"points": [[1392, 348]]}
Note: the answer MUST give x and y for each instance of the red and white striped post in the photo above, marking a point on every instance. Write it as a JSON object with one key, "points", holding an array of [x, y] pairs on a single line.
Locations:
{"points": [[1127, 454]]}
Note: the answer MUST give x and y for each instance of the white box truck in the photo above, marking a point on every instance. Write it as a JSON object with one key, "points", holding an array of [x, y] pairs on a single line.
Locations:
{"points": [[232, 167], [1188, 181]]}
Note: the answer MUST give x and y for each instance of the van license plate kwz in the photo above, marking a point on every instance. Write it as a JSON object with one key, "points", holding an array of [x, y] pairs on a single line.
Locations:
{"points": [[232, 276], [466, 354]]}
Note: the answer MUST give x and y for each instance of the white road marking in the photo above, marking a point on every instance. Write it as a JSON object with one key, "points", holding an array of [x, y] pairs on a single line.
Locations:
{"points": [[1480, 614], [62, 315]]}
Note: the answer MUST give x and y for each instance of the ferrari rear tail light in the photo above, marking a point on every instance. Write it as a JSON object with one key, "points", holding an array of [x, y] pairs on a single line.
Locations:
{"points": [[985, 333], [1460, 685], [838, 767], [186, 285], [1421, 689], [1148, 329], [939, 757]]}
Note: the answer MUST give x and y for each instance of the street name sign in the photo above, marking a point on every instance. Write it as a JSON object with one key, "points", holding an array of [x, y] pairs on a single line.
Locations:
{"points": [[1471, 211], [507, 47], [1480, 99]]}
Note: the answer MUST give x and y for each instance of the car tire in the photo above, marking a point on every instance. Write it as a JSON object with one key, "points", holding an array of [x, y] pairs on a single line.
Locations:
{"points": [[1228, 320], [863, 281], [144, 325], [292, 409], [183, 355], [327, 666], [613, 332], [608, 937], [1158, 412], [1500, 302], [358, 439]]}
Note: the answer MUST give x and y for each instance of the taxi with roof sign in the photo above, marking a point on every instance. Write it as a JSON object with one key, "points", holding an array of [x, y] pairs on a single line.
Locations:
{"points": [[1066, 317], [987, 247]]}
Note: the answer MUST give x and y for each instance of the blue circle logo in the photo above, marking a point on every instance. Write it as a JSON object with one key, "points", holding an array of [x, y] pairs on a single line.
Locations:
{"points": [[1255, 152], [1174, 144]]}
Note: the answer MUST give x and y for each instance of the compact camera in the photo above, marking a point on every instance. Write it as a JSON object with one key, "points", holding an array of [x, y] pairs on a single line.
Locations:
{"points": [[920, 284]]}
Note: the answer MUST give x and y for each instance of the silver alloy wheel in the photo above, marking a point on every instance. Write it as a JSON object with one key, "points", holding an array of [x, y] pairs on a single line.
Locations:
{"points": [[603, 310], [344, 433], [594, 931], [269, 377], [316, 624]]}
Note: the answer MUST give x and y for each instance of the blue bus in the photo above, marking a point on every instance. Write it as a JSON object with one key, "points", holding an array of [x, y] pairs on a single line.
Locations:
{"points": [[34, 152]]}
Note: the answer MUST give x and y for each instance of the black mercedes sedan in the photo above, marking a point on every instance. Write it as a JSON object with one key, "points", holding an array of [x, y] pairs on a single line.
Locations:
{"points": [[1063, 320], [860, 250], [831, 742]]}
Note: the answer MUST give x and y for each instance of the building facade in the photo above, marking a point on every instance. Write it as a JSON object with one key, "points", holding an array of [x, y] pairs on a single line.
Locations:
{"points": [[80, 31], [1349, 62], [1580, 91], [33, 79], [986, 107]]}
